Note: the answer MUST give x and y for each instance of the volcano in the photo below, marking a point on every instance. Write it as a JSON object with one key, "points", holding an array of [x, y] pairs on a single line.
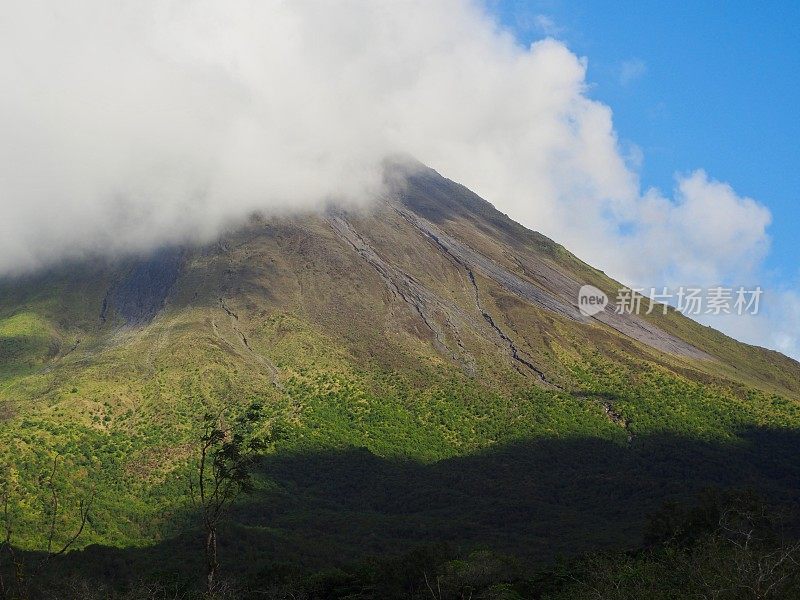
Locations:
{"points": [[435, 376]]}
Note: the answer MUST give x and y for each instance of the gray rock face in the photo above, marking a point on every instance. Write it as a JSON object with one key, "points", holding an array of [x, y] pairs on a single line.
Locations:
{"points": [[428, 198], [142, 292]]}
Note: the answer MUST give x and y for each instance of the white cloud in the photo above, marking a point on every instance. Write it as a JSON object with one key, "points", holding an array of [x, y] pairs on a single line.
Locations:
{"points": [[127, 124], [547, 25], [776, 326], [537, 24], [631, 70], [783, 326], [705, 236]]}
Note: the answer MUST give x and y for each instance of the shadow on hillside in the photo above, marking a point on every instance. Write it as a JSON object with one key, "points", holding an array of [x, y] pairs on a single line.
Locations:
{"points": [[536, 499]]}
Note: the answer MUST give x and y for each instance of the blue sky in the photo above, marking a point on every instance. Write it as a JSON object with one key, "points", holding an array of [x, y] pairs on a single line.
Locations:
{"points": [[694, 85]]}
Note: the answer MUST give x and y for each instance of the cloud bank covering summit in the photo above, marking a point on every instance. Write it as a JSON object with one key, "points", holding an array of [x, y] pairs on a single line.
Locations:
{"points": [[139, 124]]}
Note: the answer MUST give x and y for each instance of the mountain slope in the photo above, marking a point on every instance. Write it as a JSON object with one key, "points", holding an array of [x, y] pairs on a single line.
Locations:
{"points": [[426, 327]]}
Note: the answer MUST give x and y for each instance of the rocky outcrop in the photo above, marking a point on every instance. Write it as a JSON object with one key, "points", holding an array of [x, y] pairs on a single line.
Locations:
{"points": [[142, 292], [404, 286], [553, 290]]}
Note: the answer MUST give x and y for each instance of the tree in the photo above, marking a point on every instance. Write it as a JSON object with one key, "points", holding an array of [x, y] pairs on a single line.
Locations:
{"points": [[51, 513], [227, 452], [748, 556]]}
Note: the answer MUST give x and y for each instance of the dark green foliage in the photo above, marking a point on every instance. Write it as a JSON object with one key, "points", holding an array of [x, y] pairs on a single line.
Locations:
{"points": [[350, 522], [728, 546]]}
